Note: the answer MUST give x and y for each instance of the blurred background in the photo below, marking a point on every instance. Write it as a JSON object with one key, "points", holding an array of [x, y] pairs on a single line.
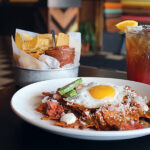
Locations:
{"points": [[103, 46]]}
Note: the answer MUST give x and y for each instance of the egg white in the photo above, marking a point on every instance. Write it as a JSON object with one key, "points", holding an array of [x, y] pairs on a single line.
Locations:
{"points": [[84, 98]]}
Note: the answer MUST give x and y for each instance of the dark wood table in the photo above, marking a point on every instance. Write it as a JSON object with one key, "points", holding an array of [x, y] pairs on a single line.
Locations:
{"points": [[15, 134]]}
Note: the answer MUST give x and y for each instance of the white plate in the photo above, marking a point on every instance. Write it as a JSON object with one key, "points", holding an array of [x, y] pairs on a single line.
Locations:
{"points": [[28, 98]]}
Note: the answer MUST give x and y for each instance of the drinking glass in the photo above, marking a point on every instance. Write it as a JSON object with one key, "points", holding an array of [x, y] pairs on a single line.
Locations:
{"points": [[138, 53]]}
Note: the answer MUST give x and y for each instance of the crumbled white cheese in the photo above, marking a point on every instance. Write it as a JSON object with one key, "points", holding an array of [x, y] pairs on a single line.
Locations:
{"points": [[84, 123], [142, 102], [87, 113], [68, 118], [55, 96], [45, 99], [54, 100]]}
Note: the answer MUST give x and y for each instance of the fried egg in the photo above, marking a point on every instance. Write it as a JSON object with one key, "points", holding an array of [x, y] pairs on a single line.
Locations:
{"points": [[95, 95]]}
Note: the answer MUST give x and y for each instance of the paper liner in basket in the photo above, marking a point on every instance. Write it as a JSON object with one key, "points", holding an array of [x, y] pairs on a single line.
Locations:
{"points": [[25, 60]]}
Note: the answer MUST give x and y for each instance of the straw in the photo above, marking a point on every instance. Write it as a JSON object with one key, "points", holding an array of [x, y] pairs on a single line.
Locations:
{"points": [[53, 38]]}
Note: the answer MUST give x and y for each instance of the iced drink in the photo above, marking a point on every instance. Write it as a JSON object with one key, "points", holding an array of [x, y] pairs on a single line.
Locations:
{"points": [[138, 53]]}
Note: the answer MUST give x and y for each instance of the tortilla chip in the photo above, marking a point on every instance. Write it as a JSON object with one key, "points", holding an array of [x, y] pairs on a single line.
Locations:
{"points": [[27, 37], [19, 41], [62, 40], [36, 43]]}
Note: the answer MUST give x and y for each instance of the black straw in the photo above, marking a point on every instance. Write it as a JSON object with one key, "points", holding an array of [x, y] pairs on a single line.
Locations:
{"points": [[53, 38]]}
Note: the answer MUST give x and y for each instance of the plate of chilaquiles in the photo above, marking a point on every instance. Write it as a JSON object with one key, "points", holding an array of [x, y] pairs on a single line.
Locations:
{"points": [[86, 108]]}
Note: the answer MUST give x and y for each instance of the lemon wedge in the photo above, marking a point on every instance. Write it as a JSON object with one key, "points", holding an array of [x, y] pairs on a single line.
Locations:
{"points": [[122, 26]]}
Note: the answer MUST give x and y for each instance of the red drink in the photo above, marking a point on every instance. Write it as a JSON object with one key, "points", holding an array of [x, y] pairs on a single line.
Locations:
{"points": [[138, 53]]}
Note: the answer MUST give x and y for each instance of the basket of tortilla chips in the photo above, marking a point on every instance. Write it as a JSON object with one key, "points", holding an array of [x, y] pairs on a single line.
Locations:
{"points": [[37, 59]]}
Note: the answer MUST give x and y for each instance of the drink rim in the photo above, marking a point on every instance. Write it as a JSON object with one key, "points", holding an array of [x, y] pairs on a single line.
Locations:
{"points": [[137, 29]]}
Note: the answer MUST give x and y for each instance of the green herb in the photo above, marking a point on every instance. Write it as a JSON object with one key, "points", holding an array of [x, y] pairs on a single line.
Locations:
{"points": [[71, 93], [69, 87]]}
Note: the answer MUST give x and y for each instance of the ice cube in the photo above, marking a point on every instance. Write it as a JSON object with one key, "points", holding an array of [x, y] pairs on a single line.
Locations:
{"points": [[134, 29]]}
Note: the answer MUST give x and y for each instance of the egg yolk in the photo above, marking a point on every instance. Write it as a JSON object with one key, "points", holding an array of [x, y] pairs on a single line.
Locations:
{"points": [[102, 91]]}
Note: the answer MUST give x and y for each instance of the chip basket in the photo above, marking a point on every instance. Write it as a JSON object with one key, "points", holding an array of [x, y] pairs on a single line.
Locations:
{"points": [[25, 76]]}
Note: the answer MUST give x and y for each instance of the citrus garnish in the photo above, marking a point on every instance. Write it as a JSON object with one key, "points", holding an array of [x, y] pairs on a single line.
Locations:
{"points": [[122, 26]]}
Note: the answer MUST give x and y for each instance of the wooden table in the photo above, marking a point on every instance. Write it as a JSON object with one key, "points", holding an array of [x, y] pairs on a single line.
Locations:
{"points": [[15, 134], [87, 71]]}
